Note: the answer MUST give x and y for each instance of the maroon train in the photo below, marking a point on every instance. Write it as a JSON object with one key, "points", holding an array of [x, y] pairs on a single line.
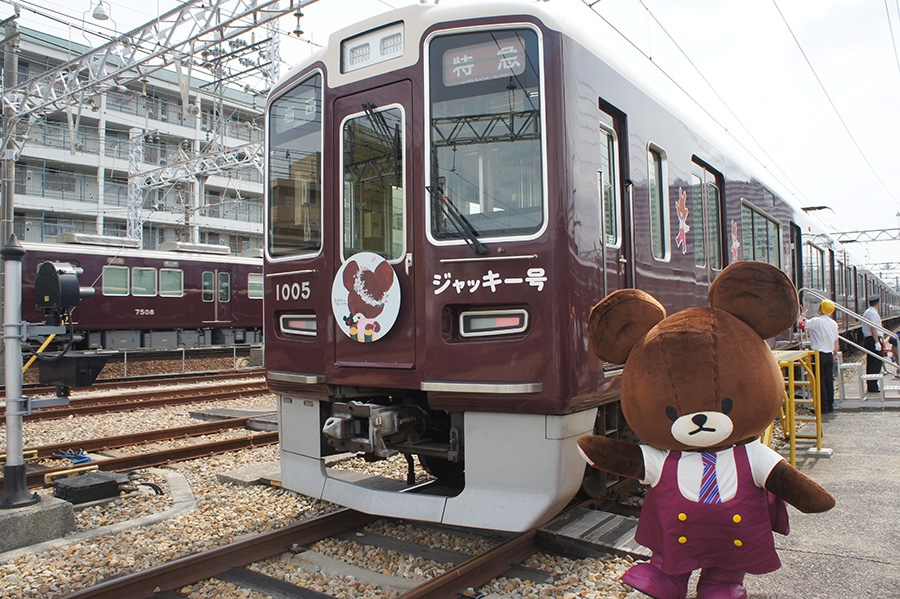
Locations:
{"points": [[451, 189], [191, 295]]}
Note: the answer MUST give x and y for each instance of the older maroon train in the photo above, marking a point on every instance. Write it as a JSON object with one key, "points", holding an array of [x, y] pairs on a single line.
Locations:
{"points": [[451, 189], [182, 295]]}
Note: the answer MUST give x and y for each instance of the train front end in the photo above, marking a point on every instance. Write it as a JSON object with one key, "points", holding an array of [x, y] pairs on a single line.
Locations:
{"points": [[419, 299]]}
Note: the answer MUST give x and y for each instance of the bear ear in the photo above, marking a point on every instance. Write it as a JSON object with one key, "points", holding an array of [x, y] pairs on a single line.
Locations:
{"points": [[619, 320], [757, 293], [350, 275]]}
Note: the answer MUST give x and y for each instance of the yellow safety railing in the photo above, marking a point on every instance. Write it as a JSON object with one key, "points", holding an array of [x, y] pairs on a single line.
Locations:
{"points": [[805, 363]]}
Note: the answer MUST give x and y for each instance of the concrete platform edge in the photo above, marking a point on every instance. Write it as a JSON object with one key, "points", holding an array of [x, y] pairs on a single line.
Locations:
{"points": [[182, 497]]}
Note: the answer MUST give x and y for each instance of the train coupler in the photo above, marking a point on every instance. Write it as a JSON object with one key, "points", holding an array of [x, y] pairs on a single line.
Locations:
{"points": [[365, 427]]}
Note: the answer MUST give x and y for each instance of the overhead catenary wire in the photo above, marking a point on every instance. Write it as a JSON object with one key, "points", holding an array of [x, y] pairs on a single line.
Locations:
{"points": [[783, 176], [105, 33], [833, 106], [696, 69], [887, 13]]}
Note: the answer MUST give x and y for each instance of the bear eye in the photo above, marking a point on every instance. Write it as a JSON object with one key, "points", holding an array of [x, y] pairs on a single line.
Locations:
{"points": [[727, 405], [671, 413]]}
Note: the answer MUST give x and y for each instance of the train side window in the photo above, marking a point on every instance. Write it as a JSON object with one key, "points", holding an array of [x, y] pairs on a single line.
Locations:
{"points": [[714, 225], [224, 287], [608, 170], [696, 213], [207, 286], [851, 278], [814, 267], [171, 282], [115, 280], [839, 278], [659, 203], [706, 223], [255, 285], [143, 282], [761, 236]]}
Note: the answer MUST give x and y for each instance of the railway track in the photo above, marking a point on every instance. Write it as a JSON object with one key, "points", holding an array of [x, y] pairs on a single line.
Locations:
{"points": [[152, 380], [101, 404], [229, 563], [228, 511], [38, 477]]}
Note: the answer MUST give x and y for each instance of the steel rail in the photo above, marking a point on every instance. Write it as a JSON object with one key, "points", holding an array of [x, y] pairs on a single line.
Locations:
{"points": [[162, 457], [153, 380], [150, 399], [190, 569], [477, 571], [181, 432]]}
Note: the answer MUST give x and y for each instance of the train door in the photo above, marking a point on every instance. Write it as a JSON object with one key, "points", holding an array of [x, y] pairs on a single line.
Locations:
{"points": [[706, 220], [374, 288], [615, 204], [215, 291]]}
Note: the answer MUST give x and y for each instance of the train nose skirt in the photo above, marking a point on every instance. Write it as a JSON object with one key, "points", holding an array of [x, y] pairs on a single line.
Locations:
{"points": [[521, 470]]}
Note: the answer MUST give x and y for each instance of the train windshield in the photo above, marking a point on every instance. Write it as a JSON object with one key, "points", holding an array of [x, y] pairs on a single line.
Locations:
{"points": [[295, 173], [485, 111]]}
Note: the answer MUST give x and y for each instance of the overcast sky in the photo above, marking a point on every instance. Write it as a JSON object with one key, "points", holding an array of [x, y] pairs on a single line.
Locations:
{"points": [[816, 83]]}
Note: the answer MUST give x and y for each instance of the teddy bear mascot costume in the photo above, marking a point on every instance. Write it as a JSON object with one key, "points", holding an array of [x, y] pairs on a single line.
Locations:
{"points": [[698, 388]]}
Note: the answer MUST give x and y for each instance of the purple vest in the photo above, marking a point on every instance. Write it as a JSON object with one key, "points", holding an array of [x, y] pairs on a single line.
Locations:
{"points": [[734, 535]]}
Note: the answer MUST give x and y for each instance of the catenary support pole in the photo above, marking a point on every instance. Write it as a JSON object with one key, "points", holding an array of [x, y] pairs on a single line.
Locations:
{"points": [[15, 486]]}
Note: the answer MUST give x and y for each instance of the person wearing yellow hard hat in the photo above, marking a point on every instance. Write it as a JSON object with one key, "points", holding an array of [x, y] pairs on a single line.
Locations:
{"points": [[823, 337]]}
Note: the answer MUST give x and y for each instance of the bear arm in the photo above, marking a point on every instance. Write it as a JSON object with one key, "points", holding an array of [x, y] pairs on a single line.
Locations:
{"points": [[797, 489], [610, 455]]}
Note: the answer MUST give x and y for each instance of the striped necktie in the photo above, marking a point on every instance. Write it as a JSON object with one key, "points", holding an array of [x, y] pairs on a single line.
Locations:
{"points": [[709, 486]]}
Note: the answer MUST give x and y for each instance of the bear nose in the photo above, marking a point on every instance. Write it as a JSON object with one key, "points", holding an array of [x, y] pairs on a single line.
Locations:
{"points": [[699, 419]]}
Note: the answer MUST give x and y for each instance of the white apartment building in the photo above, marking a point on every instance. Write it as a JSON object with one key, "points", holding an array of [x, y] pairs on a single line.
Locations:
{"points": [[76, 180]]}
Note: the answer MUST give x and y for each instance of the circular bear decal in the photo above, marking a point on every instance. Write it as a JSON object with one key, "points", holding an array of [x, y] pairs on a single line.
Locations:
{"points": [[365, 297]]}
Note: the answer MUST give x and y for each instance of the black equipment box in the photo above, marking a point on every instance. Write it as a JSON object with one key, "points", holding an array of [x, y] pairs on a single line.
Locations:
{"points": [[89, 487], [72, 370]]}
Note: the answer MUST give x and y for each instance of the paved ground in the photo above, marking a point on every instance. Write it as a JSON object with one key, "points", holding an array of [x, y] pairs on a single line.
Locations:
{"points": [[852, 551]]}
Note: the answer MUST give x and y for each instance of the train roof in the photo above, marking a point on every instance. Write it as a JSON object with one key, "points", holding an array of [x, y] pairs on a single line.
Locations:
{"points": [[97, 245], [577, 21]]}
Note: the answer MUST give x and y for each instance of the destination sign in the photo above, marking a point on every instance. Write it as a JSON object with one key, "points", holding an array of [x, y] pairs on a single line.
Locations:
{"points": [[485, 61]]}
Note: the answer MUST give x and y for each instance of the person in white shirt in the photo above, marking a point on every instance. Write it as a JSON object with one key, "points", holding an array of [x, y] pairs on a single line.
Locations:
{"points": [[872, 341], [823, 338]]}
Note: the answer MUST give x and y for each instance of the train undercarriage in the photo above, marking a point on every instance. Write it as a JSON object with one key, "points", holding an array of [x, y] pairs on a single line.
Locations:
{"points": [[493, 470]]}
